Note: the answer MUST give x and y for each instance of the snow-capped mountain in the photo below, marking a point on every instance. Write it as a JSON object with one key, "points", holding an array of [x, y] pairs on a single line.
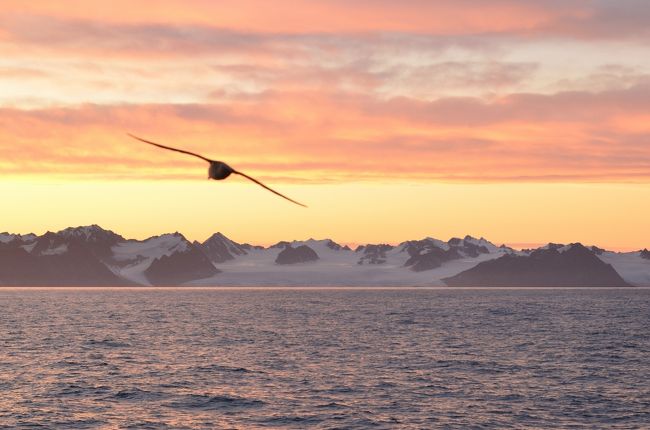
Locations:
{"points": [[219, 248], [9, 237], [54, 259], [168, 259], [332, 264], [300, 254], [634, 267], [556, 266], [91, 255], [91, 234]]}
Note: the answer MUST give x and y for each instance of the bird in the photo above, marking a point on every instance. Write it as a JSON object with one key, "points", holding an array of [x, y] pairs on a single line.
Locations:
{"points": [[218, 170]]}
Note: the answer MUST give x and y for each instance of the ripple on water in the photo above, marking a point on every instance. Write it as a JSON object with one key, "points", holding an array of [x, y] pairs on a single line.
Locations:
{"points": [[349, 359], [106, 343], [136, 394], [218, 402], [218, 368]]}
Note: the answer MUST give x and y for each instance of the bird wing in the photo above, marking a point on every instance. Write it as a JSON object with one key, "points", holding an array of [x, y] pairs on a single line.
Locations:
{"points": [[170, 148], [270, 189]]}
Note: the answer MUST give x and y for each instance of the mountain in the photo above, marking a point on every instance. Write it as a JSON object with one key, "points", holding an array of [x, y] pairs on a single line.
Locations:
{"points": [[634, 267], [431, 253], [554, 266], [219, 248], [49, 260], [300, 254], [180, 267], [168, 259], [10, 237], [91, 255], [373, 254], [337, 265]]}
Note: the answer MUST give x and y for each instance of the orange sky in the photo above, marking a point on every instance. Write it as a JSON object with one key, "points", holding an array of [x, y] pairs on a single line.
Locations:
{"points": [[519, 120]]}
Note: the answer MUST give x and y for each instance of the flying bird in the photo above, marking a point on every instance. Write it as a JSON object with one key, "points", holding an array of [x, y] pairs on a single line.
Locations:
{"points": [[218, 169]]}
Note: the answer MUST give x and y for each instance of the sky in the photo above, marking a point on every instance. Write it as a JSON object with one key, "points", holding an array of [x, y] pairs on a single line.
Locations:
{"points": [[520, 121]]}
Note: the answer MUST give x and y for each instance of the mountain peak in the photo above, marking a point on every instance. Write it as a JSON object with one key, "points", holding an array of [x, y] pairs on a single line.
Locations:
{"points": [[90, 233], [572, 265], [217, 235], [219, 248], [10, 237]]}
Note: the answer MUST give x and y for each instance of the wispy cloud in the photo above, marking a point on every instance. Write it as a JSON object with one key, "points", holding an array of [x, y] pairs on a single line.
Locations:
{"points": [[578, 136], [448, 90]]}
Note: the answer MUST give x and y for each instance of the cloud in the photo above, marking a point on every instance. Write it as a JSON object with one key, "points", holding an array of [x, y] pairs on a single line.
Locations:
{"points": [[99, 37], [605, 19], [319, 136], [156, 23], [185, 52], [305, 16], [328, 90], [21, 73]]}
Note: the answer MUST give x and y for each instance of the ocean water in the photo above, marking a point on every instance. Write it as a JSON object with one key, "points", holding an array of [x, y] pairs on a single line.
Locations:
{"points": [[324, 359]]}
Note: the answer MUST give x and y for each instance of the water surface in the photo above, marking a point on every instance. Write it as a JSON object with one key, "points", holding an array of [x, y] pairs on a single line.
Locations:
{"points": [[324, 359]]}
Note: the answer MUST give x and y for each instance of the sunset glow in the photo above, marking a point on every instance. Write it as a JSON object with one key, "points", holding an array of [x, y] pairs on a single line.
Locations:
{"points": [[521, 121]]}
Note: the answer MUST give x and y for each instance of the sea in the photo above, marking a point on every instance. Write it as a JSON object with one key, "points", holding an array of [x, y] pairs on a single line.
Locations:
{"points": [[324, 358]]}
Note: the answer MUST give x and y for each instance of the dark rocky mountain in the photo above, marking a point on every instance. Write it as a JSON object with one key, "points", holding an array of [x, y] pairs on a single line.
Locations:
{"points": [[429, 254], [574, 266], [469, 246], [92, 239], [69, 266], [596, 250], [300, 254], [180, 267], [328, 242], [219, 248], [10, 237], [431, 259], [335, 246], [91, 234], [373, 254], [74, 256], [92, 256], [280, 245], [248, 247]]}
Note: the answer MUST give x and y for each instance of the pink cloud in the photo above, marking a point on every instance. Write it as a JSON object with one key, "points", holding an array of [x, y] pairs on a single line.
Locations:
{"points": [[577, 136]]}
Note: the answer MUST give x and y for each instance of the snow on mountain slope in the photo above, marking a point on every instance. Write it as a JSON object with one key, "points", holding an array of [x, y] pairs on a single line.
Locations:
{"points": [[335, 267], [219, 248], [170, 259], [630, 265], [482, 242], [9, 237], [576, 266], [6, 237], [60, 249], [132, 258], [90, 234], [29, 247]]}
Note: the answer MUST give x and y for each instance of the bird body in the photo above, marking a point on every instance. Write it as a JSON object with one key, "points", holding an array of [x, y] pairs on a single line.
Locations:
{"points": [[218, 170]]}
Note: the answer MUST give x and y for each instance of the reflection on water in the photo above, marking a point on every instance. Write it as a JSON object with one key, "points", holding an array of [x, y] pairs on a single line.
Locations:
{"points": [[324, 359]]}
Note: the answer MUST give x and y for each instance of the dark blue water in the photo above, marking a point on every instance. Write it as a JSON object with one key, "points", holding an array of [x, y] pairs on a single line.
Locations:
{"points": [[325, 359]]}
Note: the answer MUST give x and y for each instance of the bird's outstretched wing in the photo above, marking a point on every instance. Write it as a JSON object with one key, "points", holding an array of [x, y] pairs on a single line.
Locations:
{"points": [[270, 189], [170, 148]]}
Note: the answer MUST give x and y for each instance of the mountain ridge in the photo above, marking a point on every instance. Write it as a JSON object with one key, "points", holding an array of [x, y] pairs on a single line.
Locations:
{"points": [[91, 255]]}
